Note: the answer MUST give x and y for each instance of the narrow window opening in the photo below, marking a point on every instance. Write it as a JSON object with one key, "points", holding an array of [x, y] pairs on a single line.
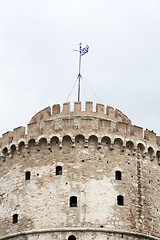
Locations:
{"points": [[73, 201], [58, 170], [118, 175], [15, 218], [120, 200], [27, 175], [71, 237]]}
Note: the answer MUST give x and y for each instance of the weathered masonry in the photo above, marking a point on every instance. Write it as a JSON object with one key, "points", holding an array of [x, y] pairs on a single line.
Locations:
{"points": [[79, 175]]}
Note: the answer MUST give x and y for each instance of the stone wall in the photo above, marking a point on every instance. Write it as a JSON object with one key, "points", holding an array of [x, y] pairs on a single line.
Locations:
{"points": [[110, 167]]}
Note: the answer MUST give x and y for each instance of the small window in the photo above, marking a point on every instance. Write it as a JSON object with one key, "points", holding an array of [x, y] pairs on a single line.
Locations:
{"points": [[120, 200], [15, 218], [58, 170], [73, 201], [71, 237], [118, 175], [27, 175]]}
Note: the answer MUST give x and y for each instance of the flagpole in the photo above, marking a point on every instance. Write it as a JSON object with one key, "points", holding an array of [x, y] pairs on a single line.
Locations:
{"points": [[79, 75], [81, 51]]}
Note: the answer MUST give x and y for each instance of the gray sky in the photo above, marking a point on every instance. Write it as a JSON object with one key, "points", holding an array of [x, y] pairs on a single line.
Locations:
{"points": [[38, 66]]}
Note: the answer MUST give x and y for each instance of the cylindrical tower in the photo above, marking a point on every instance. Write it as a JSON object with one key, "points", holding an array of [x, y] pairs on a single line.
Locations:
{"points": [[79, 175]]}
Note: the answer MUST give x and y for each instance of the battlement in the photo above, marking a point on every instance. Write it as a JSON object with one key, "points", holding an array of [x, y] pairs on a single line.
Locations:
{"points": [[109, 112], [52, 120]]}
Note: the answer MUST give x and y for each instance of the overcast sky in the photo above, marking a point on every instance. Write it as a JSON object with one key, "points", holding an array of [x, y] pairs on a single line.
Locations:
{"points": [[38, 66]]}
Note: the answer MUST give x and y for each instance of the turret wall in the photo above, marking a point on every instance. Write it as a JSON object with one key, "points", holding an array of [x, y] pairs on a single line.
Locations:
{"points": [[109, 169]]}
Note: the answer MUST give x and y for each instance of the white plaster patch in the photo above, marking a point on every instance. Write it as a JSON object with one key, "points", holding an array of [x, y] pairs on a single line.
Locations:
{"points": [[100, 197]]}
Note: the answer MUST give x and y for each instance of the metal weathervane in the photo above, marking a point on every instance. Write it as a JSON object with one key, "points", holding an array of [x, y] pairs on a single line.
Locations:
{"points": [[81, 51]]}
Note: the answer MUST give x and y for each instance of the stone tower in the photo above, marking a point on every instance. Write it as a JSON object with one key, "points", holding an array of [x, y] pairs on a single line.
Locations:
{"points": [[79, 175]]}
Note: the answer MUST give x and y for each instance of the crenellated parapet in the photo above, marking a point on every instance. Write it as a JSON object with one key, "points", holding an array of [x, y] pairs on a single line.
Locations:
{"points": [[108, 113], [109, 122]]}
